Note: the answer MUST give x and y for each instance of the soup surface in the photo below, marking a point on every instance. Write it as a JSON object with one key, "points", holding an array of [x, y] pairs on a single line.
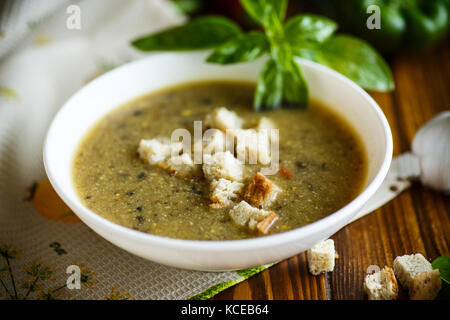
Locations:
{"points": [[323, 157]]}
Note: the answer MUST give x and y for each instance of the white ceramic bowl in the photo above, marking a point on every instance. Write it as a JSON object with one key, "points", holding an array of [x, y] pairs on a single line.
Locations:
{"points": [[125, 83]]}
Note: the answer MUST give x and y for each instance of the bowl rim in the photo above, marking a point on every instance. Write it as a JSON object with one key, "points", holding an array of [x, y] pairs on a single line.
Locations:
{"points": [[120, 231]]}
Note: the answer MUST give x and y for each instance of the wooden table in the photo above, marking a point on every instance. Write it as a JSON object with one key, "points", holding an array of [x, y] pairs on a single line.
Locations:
{"points": [[418, 220]]}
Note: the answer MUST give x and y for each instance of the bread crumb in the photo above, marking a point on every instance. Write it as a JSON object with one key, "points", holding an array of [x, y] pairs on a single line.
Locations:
{"points": [[223, 119], [252, 146], [381, 285], [265, 123], [181, 165], [213, 141], [321, 257], [416, 274], [222, 165], [261, 192], [406, 267], [224, 192], [425, 285], [158, 149], [253, 218]]}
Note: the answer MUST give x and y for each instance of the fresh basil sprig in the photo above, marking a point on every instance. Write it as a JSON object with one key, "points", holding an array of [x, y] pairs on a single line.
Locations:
{"points": [[303, 29], [281, 82], [203, 33], [243, 48]]}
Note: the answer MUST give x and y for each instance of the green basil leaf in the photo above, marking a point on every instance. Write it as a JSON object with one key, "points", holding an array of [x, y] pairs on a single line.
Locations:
{"points": [[307, 50], [281, 52], [443, 264], [202, 33], [280, 7], [269, 90], [308, 27], [258, 9], [295, 89], [188, 6], [277, 86], [246, 47], [357, 60], [255, 8]]}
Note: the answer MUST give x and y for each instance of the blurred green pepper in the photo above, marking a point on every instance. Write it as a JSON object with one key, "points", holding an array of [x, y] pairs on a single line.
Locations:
{"points": [[405, 24]]}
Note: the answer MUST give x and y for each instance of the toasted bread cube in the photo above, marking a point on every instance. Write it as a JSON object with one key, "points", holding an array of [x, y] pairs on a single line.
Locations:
{"points": [[265, 126], [252, 146], [243, 212], [261, 192], [264, 225], [408, 266], [222, 165], [214, 141], [253, 218], [381, 285], [181, 165], [158, 149], [321, 257], [425, 285], [265, 123], [224, 192], [223, 119]]}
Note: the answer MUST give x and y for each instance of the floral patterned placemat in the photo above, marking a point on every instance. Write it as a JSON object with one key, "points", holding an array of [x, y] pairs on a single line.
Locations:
{"points": [[43, 245]]}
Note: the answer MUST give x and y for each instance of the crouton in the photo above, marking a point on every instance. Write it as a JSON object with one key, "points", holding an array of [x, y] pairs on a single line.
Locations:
{"points": [[253, 218], [223, 119], [381, 285], [181, 165], [158, 149], [416, 274], [425, 285], [252, 146], [222, 165], [408, 266], [264, 126], [321, 257], [224, 192], [264, 225], [261, 192], [265, 123], [214, 141]]}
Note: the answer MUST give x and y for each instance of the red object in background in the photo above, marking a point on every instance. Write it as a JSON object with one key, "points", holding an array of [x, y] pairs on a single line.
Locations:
{"points": [[229, 8]]}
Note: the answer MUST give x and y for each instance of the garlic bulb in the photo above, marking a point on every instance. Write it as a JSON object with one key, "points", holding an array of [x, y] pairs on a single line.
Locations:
{"points": [[431, 146]]}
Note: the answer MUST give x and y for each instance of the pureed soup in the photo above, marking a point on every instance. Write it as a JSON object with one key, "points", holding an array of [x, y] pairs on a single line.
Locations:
{"points": [[322, 165]]}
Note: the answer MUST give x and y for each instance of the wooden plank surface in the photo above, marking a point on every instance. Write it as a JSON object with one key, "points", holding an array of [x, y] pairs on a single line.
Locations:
{"points": [[418, 220]]}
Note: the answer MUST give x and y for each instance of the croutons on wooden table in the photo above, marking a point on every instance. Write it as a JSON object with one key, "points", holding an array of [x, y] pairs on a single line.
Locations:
{"points": [[381, 285], [416, 274], [321, 257]]}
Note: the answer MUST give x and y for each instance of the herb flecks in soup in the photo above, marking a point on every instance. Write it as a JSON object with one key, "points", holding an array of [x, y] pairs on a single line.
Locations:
{"points": [[322, 167]]}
